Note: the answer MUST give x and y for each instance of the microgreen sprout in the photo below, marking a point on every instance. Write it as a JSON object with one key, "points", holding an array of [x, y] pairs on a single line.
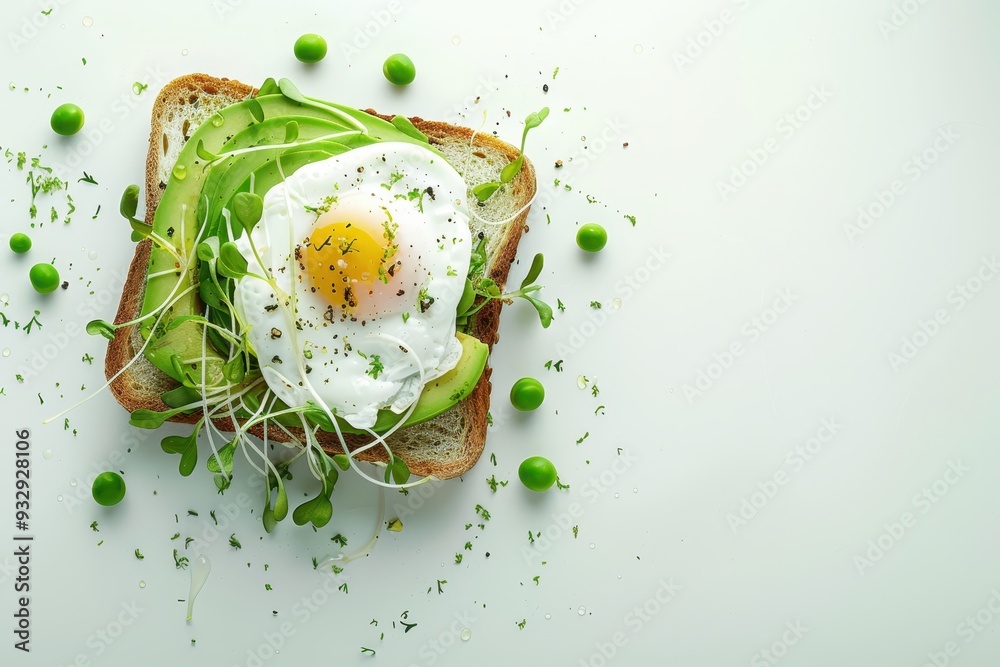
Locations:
{"points": [[483, 289], [484, 191]]}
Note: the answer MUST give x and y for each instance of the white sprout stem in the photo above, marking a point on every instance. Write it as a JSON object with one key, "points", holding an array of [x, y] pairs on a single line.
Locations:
{"points": [[342, 114], [367, 547], [505, 221], [254, 149]]}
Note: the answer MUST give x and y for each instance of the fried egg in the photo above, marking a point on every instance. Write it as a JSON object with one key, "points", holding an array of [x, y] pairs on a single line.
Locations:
{"points": [[369, 252]]}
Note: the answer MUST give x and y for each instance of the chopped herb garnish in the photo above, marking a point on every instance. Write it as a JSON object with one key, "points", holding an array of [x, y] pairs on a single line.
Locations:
{"points": [[493, 483]]}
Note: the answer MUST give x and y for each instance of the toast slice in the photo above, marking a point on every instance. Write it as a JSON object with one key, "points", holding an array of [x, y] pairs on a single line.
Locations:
{"points": [[444, 447]]}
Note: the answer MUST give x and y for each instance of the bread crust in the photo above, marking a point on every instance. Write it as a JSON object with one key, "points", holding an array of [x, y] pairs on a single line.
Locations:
{"points": [[142, 385]]}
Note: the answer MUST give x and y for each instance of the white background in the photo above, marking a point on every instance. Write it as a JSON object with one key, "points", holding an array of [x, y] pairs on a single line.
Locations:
{"points": [[823, 553]]}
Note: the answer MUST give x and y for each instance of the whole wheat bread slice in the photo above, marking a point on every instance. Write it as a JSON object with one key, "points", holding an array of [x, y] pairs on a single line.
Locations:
{"points": [[444, 447]]}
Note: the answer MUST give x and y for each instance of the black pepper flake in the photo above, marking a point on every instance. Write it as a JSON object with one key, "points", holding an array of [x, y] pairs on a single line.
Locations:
{"points": [[65, 284], [273, 307], [275, 333], [170, 231], [276, 359], [545, 88], [559, 164]]}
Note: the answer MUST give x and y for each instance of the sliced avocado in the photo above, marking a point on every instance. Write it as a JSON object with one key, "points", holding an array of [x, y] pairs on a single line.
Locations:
{"points": [[259, 121], [438, 395]]}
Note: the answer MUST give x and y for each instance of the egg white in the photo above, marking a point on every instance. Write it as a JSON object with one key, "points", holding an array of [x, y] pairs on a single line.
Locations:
{"points": [[307, 355]]}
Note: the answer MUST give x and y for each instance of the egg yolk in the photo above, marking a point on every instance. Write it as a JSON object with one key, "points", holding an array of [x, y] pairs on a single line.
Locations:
{"points": [[341, 260]]}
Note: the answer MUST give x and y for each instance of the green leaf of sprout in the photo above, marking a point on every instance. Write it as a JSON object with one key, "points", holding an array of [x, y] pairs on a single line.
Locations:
{"points": [[403, 124], [232, 263], [130, 202], [400, 471], [150, 419], [186, 446], [224, 462], [544, 310], [182, 373], [535, 119], [268, 519], [249, 207], [102, 328], [468, 298], [281, 503], [180, 396], [235, 369], [291, 91], [204, 153], [317, 511], [269, 87], [208, 249], [140, 228], [512, 170], [484, 191], [291, 131], [256, 110], [536, 269]]}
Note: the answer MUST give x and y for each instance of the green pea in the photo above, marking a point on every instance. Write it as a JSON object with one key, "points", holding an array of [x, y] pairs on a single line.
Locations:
{"points": [[67, 119], [44, 278], [591, 237], [108, 489], [527, 394], [399, 69], [310, 48], [20, 243], [537, 473]]}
